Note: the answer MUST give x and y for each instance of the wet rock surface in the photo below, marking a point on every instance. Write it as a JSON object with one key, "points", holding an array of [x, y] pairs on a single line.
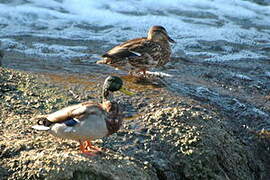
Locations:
{"points": [[26, 154], [173, 136]]}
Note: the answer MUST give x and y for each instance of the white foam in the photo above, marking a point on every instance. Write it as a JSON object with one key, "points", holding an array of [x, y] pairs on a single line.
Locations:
{"points": [[260, 112], [54, 50], [267, 74], [242, 76], [242, 55], [105, 12], [8, 43]]}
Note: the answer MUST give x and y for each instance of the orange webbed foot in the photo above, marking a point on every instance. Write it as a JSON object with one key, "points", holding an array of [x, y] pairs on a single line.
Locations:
{"points": [[88, 149], [89, 146]]}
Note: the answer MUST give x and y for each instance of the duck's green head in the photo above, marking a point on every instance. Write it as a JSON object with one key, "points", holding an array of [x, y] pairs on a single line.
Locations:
{"points": [[159, 33], [114, 83]]}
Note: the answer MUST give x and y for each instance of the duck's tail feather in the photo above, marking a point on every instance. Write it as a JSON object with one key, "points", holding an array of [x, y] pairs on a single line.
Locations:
{"points": [[43, 123], [41, 127]]}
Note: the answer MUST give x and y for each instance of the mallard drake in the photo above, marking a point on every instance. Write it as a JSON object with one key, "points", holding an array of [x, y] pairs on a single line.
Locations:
{"points": [[88, 120], [142, 53]]}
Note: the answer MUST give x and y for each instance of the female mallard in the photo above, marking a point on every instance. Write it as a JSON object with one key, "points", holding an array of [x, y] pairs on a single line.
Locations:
{"points": [[142, 53], [88, 120]]}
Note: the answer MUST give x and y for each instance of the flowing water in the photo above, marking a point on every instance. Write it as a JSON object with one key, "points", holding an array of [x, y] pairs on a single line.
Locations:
{"points": [[78, 32], [221, 56]]}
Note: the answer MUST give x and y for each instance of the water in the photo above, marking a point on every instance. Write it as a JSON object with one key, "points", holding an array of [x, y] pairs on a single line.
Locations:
{"points": [[224, 43], [216, 30]]}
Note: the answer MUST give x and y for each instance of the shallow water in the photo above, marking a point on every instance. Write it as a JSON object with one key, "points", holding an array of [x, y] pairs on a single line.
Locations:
{"points": [[222, 51]]}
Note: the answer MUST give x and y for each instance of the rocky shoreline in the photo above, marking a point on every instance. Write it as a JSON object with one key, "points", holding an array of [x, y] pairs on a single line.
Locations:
{"points": [[168, 137]]}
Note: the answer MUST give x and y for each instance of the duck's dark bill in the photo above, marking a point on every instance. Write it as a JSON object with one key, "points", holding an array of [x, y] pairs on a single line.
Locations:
{"points": [[123, 90], [171, 40]]}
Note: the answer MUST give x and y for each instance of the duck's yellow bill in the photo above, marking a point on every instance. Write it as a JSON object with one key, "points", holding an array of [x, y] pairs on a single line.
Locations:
{"points": [[123, 90]]}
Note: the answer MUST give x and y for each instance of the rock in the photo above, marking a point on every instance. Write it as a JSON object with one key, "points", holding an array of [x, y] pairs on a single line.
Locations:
{"points": [[26, 154], [186, 141]]}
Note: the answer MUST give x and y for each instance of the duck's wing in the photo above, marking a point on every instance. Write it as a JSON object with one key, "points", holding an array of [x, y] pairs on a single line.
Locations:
{"points": [[129, 48], [70, 116], [77, 112]]}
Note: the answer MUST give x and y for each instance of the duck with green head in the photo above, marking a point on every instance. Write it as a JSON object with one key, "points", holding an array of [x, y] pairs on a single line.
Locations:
{"points": [[142, 53], [89, 120]]}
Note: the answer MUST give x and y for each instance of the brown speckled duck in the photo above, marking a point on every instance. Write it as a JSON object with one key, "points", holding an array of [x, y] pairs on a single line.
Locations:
{"points": [[142, 53], [88, 120]]}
